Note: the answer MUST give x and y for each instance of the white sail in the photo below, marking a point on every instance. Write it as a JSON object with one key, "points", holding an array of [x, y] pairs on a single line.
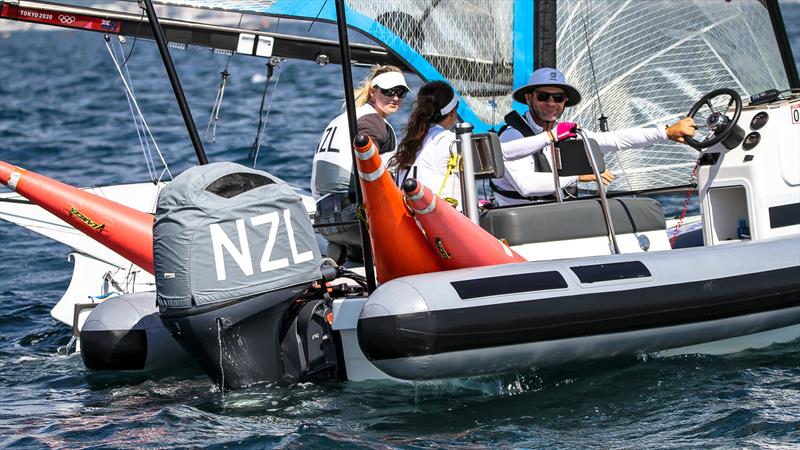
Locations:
{"points": [[639, 63], [646, 63]]}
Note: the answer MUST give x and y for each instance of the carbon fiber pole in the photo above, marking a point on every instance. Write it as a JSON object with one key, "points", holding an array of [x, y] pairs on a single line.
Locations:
{"points": [[158, 34], [782, 40], [350, 102]]}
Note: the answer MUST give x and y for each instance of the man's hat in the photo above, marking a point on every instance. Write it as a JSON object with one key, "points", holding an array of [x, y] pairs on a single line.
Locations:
{"points": [[548, 77]]}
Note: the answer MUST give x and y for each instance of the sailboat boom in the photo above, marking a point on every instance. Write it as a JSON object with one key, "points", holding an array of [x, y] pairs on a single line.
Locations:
{"points": [[219, 38]]}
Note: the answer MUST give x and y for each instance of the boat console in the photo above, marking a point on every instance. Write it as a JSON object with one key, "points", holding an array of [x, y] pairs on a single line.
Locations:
{"points": [[751, 190]]}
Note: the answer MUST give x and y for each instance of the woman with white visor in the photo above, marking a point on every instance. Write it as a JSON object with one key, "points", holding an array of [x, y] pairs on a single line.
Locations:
{"points": [[425, 153], [379, 96]]}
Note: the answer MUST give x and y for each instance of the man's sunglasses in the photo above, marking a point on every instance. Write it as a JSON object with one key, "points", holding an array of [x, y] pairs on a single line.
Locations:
{"points": [[544, 96], [398, 91]]}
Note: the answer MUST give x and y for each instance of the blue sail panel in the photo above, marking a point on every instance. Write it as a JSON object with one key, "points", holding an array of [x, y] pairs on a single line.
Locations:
{"points": [[468, 43]]}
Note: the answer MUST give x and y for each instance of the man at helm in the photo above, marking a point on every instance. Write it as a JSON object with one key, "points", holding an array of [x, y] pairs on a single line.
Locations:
{"points": [[528, 174]]}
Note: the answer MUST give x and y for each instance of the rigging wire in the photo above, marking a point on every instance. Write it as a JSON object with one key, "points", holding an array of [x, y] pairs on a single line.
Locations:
{"points": [[136, 33], [602, 119], [143, 143], [317, 16], [493, 99], [139, 120], [262, 115], [214, 117]]}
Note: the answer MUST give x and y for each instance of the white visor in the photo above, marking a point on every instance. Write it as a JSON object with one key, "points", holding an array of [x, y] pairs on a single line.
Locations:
{"points": [[450, 106], [388, 80]]}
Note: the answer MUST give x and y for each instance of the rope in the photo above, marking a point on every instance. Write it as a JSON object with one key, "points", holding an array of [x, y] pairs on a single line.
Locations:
{"points": [[214, 118], [602, 119], [685, 208], [263, 117], [138, 24], [139, 116], [315, 17], [216, 107], [452, 163], [143, 143]]}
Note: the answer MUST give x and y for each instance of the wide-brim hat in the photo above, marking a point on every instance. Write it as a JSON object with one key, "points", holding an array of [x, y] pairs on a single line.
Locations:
{"points": [[548, 77]]}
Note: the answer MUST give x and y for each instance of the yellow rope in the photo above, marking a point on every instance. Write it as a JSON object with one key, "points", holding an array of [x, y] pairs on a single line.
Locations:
{"points": [[452, 163]]}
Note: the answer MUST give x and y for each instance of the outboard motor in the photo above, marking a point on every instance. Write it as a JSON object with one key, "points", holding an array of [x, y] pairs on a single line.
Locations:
{"points": [[233, 251]]}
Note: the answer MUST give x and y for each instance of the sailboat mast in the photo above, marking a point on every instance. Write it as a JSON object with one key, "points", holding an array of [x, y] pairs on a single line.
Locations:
{"points": [[350, 104], [544, 37], [783, 43], [161, 42]]}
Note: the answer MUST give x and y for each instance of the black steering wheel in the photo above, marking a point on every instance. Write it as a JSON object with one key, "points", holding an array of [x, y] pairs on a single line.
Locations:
{"points": [[718, 124]]}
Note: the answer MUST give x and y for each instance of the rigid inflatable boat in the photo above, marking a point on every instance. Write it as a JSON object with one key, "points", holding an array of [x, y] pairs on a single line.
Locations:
{"points": [[488, 320], [243, 291]]}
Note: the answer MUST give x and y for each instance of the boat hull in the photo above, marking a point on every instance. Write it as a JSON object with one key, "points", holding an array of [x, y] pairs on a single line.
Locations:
{"points": [[490, 320]]}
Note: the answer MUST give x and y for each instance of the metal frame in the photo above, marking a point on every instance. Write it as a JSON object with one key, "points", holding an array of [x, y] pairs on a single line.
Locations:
{"points": [[601, 189], [469, 195]]}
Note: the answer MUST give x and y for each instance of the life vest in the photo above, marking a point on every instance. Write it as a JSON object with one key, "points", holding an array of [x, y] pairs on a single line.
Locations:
{"points": [[333, 159]]}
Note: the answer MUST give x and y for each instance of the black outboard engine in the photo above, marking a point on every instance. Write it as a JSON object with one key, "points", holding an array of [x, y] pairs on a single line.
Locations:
{"points": [[233, 251], [308, 348]]}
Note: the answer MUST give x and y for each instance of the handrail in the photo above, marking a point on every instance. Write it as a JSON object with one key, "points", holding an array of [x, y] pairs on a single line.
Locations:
{"points": [[601, 189]]}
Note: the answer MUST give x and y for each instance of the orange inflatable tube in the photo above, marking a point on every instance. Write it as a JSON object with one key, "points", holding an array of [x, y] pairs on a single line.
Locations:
{"points": [[459, 243], [125, 230], [397, 243]]}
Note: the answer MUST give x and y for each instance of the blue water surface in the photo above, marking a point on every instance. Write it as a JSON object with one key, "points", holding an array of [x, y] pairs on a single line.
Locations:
{"points": [[63, 114]]}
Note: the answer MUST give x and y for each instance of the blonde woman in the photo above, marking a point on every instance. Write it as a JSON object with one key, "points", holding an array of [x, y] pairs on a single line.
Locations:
{"points": [[379, 96]]}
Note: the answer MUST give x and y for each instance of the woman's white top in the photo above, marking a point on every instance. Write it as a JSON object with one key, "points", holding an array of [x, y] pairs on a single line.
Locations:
{"points": [[430, 165]]}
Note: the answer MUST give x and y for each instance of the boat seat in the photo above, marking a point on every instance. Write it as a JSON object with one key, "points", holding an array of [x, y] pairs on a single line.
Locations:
{"points": [[572, 220]]}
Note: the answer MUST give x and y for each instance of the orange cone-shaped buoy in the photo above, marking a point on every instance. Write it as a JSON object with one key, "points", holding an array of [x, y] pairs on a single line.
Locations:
{"points": [[458, 242], [125, 230], [397, 242]]}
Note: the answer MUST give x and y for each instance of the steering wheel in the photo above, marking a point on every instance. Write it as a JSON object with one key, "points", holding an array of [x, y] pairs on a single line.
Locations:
{"points": [[719, 125]]}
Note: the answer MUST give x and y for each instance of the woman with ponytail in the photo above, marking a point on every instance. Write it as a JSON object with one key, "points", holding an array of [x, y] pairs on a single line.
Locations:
{"points": [[425, 151], [332, 183]]}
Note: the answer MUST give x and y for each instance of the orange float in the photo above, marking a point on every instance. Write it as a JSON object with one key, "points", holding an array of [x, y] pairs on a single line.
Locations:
{"points": [[458, 242], [125, 230], [398, 245]]}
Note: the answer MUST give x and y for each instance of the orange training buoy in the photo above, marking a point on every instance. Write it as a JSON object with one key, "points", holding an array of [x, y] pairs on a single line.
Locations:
{"points": [[125, 230], [458, 242], [397, 242]]}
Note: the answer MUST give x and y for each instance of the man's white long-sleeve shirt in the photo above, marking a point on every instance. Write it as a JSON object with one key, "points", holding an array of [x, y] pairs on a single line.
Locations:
{"points": [[518, 155]]}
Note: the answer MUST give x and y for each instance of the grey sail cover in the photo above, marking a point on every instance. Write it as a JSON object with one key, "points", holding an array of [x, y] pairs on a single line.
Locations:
{"points": [[224, 232]]}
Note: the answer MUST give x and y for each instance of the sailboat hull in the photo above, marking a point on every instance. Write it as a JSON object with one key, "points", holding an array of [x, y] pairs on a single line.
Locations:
{"points": [[125, 333]]}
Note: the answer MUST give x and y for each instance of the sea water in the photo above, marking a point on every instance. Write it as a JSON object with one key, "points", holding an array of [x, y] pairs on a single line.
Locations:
{"points": [[63, 114]]}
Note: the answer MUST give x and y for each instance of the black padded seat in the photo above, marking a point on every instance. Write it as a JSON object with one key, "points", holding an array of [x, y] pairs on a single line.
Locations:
{"points": [[572, 220]]}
